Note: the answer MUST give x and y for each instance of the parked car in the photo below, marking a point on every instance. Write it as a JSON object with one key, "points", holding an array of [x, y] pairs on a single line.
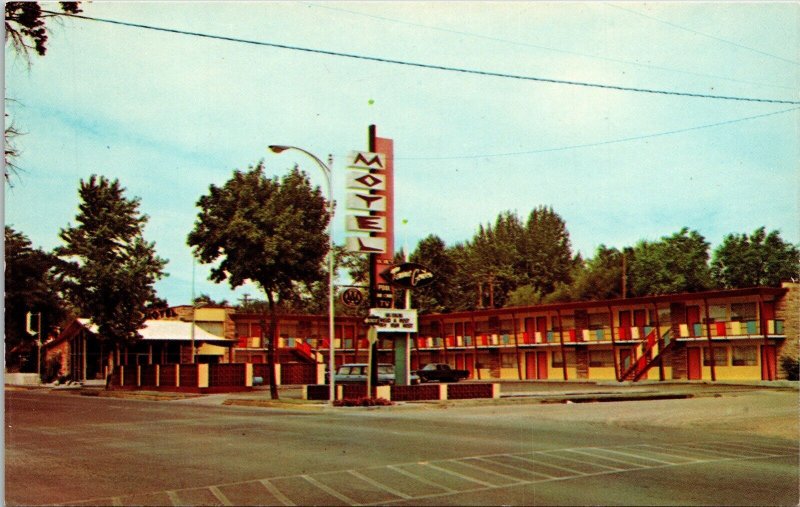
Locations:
{"points": [[441, 372], [356, 373]]}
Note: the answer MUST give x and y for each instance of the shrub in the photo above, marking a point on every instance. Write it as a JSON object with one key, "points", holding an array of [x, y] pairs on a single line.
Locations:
{"points": [[791, 367], [362, 402]]}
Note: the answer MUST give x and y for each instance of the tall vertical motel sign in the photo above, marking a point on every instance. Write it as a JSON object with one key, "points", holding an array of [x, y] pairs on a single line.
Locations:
{"points": [[370, 206]]}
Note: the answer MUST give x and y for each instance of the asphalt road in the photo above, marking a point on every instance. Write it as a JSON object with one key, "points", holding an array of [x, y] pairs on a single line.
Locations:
{"points": [[737, 449]]}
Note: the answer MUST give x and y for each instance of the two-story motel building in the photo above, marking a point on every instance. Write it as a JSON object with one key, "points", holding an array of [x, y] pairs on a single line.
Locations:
{"points": [[735, 334]]}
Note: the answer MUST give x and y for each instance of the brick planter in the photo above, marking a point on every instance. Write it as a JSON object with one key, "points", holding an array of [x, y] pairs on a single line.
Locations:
{"points": [[416, 393], [468, 391]]}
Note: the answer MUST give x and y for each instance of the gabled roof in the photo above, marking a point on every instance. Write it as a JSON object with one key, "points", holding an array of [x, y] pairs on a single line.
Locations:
{"points": [[167, 330]]}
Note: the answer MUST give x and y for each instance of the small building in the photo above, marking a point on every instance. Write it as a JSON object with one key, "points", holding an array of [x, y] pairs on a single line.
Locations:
{"points": [[84, 356]]}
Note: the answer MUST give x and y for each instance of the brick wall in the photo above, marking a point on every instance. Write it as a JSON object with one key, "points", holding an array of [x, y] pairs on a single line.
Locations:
{"points": [[788, 310], [679, 360], [582, 359], [581, 319]]}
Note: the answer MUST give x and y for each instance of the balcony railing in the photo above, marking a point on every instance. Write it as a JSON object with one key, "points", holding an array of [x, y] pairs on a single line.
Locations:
{"points": [[730, 329]]}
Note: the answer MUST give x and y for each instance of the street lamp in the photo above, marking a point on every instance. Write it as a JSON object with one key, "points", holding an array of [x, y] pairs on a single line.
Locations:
{"points": [[326, 169]]}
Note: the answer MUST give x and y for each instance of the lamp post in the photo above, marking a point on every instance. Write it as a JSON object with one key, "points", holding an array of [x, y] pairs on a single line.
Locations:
{"points": [[326, 169]]}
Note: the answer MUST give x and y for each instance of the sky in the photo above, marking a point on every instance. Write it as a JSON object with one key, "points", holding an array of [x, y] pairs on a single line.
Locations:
{"points": [[170, 114]]}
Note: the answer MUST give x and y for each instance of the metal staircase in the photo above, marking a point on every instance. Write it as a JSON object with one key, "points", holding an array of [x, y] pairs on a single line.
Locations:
{"points": [[645, 355]]}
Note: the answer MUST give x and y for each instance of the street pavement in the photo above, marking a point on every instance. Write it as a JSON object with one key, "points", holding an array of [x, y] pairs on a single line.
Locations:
{"points": [[727, 445]]}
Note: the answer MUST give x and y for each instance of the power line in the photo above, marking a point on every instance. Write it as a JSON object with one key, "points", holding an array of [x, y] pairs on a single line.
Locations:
{"points": [[690, 30], [432, 66], [546, 48], [602, 143]]}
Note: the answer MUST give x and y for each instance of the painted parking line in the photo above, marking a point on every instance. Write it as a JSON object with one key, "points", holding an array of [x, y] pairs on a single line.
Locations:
{"points": [[220, 495], [570, 472], [446, 479], [578, 466], [378, 485], [517, 472], [173, 498], [423, 480], [276, 493], [429, 480], [636, 456], [595, 457], [324, 487], [519, 464], [681, 457], [483, 470], [459, 475]]}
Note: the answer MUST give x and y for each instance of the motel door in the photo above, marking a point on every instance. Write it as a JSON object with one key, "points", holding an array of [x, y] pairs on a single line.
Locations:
{"points": [[694, 366], [530, 365], [625, 325], [692, 318], [541, 360], [768, 362], [640, 320], [469, 364], [541, 327], [530, 330]]}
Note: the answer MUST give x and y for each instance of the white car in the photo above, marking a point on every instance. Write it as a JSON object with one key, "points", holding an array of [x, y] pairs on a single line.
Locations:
{"points": [[356, 373]]}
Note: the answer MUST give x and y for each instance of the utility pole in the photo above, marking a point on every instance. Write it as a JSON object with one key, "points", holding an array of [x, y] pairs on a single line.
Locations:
{"points": [[624, 276]]}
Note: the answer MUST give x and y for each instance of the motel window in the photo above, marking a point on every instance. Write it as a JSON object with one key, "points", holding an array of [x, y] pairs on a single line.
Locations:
{"points": [[242, 329], [599, 321], [720, 356], [568, 322], [718, 313], [664, 316], [743, 311], [494, 324], [508, 361], [506, 326], [745, 356], [601, 358], [555, 358]]}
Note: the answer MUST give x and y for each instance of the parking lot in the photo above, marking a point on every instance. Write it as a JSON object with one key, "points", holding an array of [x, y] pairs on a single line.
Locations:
{"points": [[727, 446]]}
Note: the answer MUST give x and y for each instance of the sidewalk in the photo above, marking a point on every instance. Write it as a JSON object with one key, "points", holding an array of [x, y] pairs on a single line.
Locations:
{"points": [[511, 392]]}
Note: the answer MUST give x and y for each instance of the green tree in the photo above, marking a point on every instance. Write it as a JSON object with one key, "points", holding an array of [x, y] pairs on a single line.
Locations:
{"points": [[677, 263], [494, 258], [269, 231], [755, 260], [601, 276], [107, 269], [546, 250], [432, 253], [29, 287], [524, 295]]}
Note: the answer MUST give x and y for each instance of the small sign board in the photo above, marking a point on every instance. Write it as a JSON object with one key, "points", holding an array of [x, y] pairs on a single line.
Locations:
{"points": [[408, 275], [390, 320]]}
